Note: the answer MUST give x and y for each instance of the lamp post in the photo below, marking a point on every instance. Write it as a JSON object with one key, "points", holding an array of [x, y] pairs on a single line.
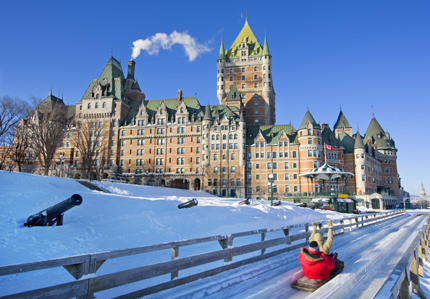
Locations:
{"points": [[271, 188], [332, 195]]}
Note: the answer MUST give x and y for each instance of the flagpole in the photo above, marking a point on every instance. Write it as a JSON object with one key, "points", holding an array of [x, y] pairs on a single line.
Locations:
{"points": [[325, 154]]}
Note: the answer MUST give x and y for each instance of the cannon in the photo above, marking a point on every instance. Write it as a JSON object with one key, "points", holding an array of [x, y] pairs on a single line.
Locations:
{"points": [[193, 202], [54, 214], [244, 202], [277, 203]]}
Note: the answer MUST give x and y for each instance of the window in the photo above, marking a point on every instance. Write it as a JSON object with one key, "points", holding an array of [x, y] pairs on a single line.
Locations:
{"points": [[269, 165], [89, 105], [243, 77], [215, 171], [243, 85], [287, 176], [243, 70], [256, 112], [309, 140], [233, 156], [231, 78], [255, 68], [294, 165], [256, 104], [295, 176], [96, 105], [215, 157], [231, 71], [294, 154], [249, 165], [255, 85], [255, 76]]}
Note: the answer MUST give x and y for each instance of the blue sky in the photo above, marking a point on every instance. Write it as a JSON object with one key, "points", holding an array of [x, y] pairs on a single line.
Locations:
{"points": [[326, 54]]}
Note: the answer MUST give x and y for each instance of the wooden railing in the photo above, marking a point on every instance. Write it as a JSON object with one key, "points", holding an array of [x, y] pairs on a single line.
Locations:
{"points": [[81, 265], [408, 269]]}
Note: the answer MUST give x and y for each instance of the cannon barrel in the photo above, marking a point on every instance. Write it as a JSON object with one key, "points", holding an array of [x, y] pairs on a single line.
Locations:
{"points": [[193, 202], [55, 213], [244, 202], [65, 205]]}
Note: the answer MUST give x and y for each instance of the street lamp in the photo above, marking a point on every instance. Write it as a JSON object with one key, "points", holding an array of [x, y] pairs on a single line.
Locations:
{"points": [[271, 188]]}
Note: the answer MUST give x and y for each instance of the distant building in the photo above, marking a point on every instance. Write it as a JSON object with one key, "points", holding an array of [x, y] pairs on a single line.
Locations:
{"points": [[230, 149]]}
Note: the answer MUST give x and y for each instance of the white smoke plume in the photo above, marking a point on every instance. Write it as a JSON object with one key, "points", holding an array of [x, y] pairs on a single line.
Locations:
{"points": [[161, 40]]}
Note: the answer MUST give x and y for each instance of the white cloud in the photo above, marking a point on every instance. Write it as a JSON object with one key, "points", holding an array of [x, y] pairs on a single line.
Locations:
{"points": [[161, 40]]}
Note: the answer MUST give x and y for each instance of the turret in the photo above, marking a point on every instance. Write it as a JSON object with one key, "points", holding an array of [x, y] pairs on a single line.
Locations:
{"points": [[221, 73], [360, 167], [241, 132], [207, 123]]}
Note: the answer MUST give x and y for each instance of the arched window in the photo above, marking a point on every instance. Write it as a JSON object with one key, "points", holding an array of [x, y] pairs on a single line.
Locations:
{"points": [[89, 105], [235, 136], [97, 105], [182, 110], [213, 137], [224, 137], [161, 111], [217, 137], [104, 105], [230, 137]]}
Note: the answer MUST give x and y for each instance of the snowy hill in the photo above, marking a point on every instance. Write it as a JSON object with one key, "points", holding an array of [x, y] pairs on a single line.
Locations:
{"points": [[128, 216]]}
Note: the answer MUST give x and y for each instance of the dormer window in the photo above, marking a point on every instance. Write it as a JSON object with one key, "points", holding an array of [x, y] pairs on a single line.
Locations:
{"points": [[97, 96], [182, 110]]}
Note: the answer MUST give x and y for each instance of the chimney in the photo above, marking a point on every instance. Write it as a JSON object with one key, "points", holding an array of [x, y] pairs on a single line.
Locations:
{"points": [[324, 126], [179, 95], [130, 72]]}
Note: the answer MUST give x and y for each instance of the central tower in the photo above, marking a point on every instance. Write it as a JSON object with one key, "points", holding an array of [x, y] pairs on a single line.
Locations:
{"points": [[245, 71]]}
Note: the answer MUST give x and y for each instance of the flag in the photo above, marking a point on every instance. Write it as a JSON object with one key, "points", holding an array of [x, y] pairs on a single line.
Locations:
{"points": [[328, 146]]}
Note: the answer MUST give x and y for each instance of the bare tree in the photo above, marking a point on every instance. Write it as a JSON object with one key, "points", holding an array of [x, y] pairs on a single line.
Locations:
{"points": [[11, 111], [47, 130], [5, 150], [21, 144], [89, 141]]}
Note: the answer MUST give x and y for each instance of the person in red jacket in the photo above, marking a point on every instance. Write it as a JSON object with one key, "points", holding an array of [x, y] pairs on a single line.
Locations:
{"points": [[316, 264]]}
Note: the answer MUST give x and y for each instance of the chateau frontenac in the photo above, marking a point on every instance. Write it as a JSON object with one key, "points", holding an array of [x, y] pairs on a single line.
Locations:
{"points": [[233, 148]]}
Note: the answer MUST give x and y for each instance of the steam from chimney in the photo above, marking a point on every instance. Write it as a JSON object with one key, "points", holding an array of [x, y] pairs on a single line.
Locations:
{"points": [[161, 40]]}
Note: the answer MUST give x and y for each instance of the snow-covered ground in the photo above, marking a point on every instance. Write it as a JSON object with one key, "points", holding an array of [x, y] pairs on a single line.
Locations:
{"points": [[125, 217]]}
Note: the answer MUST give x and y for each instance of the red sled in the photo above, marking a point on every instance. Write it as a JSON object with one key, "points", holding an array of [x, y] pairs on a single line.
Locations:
{"points": [[311, 285]]}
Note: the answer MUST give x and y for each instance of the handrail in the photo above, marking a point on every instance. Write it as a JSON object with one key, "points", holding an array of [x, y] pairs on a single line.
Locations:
{"points": [[89, 263]]}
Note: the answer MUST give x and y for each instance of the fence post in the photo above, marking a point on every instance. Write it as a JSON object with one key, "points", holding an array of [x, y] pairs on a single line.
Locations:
{"points": [[263, 238], [307, 230], [350, 227], [225, 243], [343, 228], [287, 233], [175, 253]]}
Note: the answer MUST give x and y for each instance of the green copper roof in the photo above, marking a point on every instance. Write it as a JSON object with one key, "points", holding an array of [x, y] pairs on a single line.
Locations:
{"points": [[222, 52], [136, 86], [251, 41], [328, 137], [373, 130], [270, 133], [112, 78], [358, 141], [208, 115], [308, 119], [266, 50], [347, 142], [233, 94], [341, 122]]}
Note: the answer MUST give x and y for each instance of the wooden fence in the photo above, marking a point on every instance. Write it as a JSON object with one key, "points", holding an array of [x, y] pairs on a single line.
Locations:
{"points": [[80, 265], [409, 268]]}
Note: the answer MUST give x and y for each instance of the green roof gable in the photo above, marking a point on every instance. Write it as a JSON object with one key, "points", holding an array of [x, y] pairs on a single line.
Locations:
{"points": [[221, 52], [270, 133]]}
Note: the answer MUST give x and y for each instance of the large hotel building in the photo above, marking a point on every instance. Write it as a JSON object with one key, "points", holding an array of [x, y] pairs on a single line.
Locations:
{"points": [[229, 149]]}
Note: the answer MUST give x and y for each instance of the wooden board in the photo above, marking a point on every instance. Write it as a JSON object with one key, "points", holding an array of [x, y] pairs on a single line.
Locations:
{"points": [[310, 285]]}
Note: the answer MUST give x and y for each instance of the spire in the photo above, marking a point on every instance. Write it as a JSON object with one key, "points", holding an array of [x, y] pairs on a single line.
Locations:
{"points": [[208, 115], [266, 50], [358, 141], [341, 122], [222, 51], [308, 119]]}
